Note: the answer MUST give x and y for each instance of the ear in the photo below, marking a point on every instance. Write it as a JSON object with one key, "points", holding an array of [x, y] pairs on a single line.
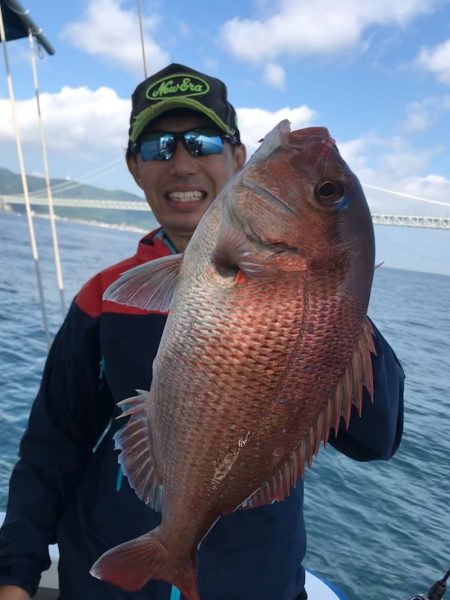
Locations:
{"points": [[240, 155], [133, 167]]}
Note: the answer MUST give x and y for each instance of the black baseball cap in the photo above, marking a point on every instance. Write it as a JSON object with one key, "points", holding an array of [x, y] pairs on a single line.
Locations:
{"points": [[178, 86]]}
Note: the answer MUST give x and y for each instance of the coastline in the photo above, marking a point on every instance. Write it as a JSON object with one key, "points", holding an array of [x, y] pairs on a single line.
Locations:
{"points": [[90, 222]]}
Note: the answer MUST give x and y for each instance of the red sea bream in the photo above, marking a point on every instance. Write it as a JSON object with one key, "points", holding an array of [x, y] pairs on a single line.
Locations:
{"points": [[266, 347]]}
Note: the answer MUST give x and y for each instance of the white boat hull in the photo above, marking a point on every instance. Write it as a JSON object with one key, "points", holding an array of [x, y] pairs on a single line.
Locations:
{"points": [[317, 588]]}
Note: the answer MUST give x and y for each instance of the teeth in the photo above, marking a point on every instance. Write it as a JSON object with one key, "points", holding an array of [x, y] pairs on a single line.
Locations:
{"points": [[190, 196]]}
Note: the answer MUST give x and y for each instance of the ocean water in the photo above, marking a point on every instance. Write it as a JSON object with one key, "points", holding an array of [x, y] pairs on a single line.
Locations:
{"points": [[377, 530]]}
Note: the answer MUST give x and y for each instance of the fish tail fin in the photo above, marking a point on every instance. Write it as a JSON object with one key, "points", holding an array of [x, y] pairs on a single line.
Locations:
{"points": [[132, 564]]}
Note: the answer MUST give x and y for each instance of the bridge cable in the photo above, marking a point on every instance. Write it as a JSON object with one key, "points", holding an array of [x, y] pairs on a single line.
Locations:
{"points": [[69, 185], [404, 195]]}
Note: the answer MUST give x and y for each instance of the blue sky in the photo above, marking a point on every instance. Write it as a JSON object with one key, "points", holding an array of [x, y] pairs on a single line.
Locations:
{"points": [[376, 73]]}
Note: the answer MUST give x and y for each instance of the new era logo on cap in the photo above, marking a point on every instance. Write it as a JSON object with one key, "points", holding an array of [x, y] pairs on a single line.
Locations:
{"points": [[177, 86]]}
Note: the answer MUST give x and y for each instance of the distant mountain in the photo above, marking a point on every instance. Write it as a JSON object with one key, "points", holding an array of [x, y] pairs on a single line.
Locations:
{"points": [[11, 184]]}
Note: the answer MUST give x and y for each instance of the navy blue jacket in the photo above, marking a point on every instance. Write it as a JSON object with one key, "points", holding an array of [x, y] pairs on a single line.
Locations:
{"points": [[67, 486]]}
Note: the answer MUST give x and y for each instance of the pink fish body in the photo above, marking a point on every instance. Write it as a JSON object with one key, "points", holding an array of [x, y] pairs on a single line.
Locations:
{"points": [[266, 347]]}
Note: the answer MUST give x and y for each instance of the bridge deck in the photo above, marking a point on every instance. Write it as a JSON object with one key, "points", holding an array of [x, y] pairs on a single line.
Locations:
{"points": [[378, 219]]}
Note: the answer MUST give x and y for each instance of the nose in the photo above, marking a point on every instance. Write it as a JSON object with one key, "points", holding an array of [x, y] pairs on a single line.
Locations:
{"points": [[182, 164]]}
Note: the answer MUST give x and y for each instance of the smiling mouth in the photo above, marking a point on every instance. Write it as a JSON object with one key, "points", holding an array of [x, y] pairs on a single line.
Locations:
{"points": [[190, 196]]}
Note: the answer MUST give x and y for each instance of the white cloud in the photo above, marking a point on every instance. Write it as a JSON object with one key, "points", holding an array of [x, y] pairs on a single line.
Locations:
{"points": [[393, 164], [386, 159], [275, 76], [437, 60], [255, 123], [78, 121], [108, 31], [356, 153], [93, 124], [433, 187], [86, 131], [183, 30], [301, 27], [420, 116]]}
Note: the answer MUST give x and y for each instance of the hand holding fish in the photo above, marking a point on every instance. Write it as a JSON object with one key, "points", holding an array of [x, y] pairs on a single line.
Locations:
{"points": [[13, 592]]}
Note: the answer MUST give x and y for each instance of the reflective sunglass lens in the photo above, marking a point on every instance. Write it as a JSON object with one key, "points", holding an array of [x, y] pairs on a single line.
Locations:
{"points": [[157, 147], [198, 142], [166, 146]]}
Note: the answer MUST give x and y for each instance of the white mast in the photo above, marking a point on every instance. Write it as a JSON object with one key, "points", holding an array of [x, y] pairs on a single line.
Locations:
{"points": [[24, 181]]}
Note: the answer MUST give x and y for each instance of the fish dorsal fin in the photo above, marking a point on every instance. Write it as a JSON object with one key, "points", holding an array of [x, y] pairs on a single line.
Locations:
{"points": [[136, 451], [276, 137], [150, 286], [349, 391]]}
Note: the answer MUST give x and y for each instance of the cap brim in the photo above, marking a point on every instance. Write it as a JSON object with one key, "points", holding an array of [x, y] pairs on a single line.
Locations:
{"points": [[152, 112]]}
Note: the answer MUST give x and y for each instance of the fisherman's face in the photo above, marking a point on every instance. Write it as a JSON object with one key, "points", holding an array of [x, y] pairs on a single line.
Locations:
{"points": [[179, 190]]}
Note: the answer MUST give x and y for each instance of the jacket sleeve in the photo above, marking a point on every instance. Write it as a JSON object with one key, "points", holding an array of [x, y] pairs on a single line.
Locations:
{"points": [[376, 434], [67, 417]]}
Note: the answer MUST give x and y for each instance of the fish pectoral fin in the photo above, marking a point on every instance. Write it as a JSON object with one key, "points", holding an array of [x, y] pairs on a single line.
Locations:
{"points": [[150, 286], [235, 255], [136, 451], [289, 261]]}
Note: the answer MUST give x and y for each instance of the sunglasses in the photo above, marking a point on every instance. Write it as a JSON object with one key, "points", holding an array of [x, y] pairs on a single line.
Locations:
{"points": [[161, 145]]}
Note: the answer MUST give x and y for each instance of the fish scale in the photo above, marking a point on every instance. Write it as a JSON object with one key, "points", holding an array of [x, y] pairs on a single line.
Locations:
{"points": [[266, 348]]}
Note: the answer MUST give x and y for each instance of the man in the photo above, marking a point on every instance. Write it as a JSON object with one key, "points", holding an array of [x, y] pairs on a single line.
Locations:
{"points": [[184, 146]]}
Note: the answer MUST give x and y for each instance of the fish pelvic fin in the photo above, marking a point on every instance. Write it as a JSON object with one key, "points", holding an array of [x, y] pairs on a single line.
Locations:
{"points": [[348, 393], [132, 564], [135, 442], [150, 286]]}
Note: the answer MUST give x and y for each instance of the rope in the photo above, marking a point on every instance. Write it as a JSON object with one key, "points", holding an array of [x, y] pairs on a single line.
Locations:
{"points": [[51, 211], [142, 37]]}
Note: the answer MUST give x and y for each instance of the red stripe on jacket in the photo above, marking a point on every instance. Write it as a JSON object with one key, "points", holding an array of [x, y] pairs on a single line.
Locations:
{"points": [[90, 297]]}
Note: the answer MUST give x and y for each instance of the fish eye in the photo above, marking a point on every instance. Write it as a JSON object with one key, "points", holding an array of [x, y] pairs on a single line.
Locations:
{"points": [[329, 192]]}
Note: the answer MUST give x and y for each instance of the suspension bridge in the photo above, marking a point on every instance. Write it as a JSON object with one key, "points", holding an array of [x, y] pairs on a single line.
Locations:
{"points": [[8, 202]]}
